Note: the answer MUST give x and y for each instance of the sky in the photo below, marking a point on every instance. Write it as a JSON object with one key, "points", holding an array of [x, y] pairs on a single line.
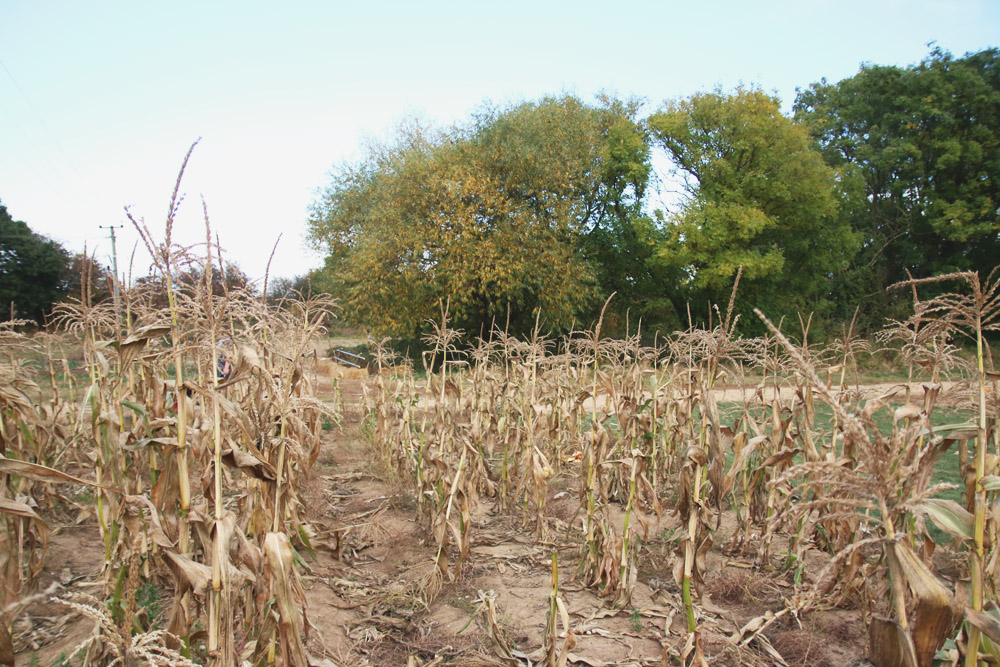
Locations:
{"points": [[100, 101]]}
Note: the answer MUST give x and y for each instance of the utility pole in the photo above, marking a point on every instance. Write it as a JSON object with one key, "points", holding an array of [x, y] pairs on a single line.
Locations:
{"points": [[114, 265]]}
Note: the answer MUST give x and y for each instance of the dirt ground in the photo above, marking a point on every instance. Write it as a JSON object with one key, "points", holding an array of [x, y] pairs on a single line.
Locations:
{"points": [[362, 605], [897, 392], [367, 588]]}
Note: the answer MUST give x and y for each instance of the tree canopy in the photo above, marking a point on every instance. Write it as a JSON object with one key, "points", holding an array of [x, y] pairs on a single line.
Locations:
{"points": [[758, 197], [99, 279], [924, 143], [544, 206], [32, 270], [490, 216]]}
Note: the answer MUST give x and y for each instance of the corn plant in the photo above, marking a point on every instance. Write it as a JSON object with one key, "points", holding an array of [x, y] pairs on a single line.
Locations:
{"points": [[211, 463], [971, 314], [883, 490]]}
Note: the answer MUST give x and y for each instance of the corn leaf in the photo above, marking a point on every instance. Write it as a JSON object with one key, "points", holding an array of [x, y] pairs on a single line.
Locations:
{"points": [[43, 473], [950, 517], [988, 621]]}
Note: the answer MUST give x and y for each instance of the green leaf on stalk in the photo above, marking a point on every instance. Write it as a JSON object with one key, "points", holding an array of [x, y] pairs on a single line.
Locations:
{"points": [[135, 407], [27, 435], [304, 538]]}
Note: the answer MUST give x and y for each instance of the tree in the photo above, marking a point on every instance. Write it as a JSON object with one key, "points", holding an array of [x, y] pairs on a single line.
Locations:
{"points": [[281, 288], [192, 279], [189, 280], [621, 244], [758, 196], [924, 143], [32, 268], [99, 279], [491, 216]]}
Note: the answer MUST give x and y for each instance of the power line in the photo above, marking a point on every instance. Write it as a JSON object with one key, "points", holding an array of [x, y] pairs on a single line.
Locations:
{"points": [[29, 165], [70, 191], [36, 148], [40, 120]]}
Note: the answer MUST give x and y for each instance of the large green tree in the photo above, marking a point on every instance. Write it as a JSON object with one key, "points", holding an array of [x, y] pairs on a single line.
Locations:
{"points": [[32, 270], [493, 216], [924, 143], [758, 196]]}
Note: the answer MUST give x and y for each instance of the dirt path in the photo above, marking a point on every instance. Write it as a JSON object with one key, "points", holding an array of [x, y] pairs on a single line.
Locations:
{"points": [[896, 392], [899, 391], [368, 604]]}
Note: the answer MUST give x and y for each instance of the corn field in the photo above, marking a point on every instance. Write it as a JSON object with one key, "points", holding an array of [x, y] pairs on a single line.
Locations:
{"points": [[195, 475], [640, 432], [189, 448]]}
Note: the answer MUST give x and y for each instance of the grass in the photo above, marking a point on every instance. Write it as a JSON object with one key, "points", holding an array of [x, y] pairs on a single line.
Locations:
{"points": [[61, 661], [947, 470]]}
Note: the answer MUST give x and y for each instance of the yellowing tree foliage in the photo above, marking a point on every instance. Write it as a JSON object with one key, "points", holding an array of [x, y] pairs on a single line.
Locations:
{"points": [[491, 216]]}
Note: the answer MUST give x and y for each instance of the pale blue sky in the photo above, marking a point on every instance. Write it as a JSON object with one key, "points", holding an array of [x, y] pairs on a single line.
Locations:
{"points": [[100, 100]]}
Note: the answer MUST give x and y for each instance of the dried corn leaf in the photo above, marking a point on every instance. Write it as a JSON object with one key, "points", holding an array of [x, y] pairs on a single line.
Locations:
{"points": [[247, 552], [20, 401], [156, 531], [889, 645], [988, 621], [6, 645], [717, 448], [692, 652], [696, 457], [189, 574], [248, 463], [15, 508], [247, 359], [220, 548], [133, 344], [950, 517], [147, 333], [569, 643], [278, 551], [782, 456], [924, 584], [933, 618], [166, 444], [44, 473], [908, 411], [41, 531], [744, 452]]}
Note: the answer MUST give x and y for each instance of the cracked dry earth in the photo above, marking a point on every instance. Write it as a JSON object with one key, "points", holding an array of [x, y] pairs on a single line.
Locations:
{"points": [[371, 599]]}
